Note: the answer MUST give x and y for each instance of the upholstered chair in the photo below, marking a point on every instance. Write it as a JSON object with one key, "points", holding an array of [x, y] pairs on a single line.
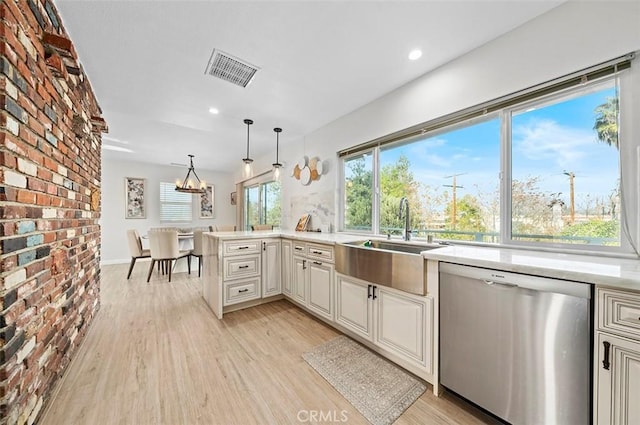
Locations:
{"points": [[135, 249], [226, 228], [197, 249], [262, 227], [164, 247]]}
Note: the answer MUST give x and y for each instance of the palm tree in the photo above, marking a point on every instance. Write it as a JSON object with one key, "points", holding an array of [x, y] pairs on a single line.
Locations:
{"points": [[606, 124]]}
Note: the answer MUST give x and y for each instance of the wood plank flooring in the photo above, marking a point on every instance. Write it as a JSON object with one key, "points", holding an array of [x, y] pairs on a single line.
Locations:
{"points": [[156, 354]]}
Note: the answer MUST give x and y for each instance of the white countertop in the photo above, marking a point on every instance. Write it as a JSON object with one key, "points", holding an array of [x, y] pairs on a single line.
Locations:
{"points": [[327, 238], [621, 273]]}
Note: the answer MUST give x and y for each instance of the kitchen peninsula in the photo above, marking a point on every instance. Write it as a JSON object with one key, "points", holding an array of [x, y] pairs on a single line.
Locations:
{"points": [[243, 269]]}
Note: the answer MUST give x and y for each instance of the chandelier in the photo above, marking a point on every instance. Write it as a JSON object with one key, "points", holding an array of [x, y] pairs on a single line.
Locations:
{"points": [[190, 185]]}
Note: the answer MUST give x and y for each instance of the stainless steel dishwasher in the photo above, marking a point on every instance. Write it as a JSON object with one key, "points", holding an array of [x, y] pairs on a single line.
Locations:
{"points": [[516, 345]]}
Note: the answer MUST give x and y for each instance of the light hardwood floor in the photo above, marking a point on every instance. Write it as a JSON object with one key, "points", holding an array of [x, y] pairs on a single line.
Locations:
{"points": [[156, 354]]}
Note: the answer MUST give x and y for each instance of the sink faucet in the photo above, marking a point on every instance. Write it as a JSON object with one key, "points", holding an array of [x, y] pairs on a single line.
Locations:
{"points": [[404, 202]]}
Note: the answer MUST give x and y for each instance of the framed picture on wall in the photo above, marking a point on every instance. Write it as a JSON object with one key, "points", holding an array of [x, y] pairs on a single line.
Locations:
{"points": [[234, 198], [134, 202], [206, 203]]}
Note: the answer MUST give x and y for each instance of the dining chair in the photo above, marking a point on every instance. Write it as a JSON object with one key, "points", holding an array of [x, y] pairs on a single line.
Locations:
{"points": [[197, 249], [262, 227], [135, 249], [164, 248], [226, 228]]}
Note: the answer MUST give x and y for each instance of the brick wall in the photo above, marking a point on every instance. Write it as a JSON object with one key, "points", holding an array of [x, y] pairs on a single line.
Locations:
{"points": [[50, 137]]}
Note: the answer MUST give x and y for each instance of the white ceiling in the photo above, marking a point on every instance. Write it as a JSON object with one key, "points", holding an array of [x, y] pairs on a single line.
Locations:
{"points": [[319, 60]]}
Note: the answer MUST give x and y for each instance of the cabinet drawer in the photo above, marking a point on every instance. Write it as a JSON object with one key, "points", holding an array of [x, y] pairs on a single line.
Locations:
{"points": [[251, 246], [619, 312], [242, 290], [239, 267], [299, 249], [320, 252]]}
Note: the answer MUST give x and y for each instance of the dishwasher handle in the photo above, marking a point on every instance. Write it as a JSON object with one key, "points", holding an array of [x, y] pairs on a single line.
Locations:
{"points": [[506, 285], [520, 280]]}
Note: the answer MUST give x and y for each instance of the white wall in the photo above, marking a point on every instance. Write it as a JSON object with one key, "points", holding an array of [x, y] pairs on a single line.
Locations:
{"points": [[571, 37], [114, 225]]}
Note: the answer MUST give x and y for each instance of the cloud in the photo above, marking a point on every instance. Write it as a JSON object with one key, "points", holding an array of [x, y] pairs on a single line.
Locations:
{"points": [[423, 153], [548, 140]]}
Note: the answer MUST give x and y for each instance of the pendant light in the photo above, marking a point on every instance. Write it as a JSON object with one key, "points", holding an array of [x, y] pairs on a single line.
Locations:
{"points": [[247, 161], [189, 185], [277, 165]]}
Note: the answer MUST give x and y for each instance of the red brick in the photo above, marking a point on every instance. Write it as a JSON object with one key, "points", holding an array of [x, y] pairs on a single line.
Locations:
{"points": [[26, 197], [59, 42], [35, 184], [42, 199]]}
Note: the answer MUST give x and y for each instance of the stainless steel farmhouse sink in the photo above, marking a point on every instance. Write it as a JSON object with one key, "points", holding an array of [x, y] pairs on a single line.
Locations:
{"points": [[395, 264]]}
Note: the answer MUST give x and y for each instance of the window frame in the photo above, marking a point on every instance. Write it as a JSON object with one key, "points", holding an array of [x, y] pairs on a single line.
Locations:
{"points": [[539, 103], [629, 157]]}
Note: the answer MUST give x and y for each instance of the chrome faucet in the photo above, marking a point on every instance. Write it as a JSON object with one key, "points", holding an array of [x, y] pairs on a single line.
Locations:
{"points": [[404, 202]]}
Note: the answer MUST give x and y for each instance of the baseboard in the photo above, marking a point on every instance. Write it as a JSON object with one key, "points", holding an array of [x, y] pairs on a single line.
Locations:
{"points": [[120, 261]]}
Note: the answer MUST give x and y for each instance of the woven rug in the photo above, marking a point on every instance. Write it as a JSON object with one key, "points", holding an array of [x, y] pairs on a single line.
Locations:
{"points": [[379, 389]]}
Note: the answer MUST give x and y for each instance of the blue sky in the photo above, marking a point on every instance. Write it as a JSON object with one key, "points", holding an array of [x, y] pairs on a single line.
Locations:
{"points": [[547, 141]]}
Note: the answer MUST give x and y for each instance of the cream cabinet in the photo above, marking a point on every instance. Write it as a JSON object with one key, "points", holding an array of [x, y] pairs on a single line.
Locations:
{"points": [[320, 285], [617, 367], [299, 280], [312, 275], [286, 263], [395, 321], [251, 269], [354, 310], [271, 267]]}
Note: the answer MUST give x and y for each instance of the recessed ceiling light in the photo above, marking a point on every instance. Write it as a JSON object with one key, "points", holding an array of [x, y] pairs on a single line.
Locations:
{"points": [[116, 148], [214, 111], [415, 54]]}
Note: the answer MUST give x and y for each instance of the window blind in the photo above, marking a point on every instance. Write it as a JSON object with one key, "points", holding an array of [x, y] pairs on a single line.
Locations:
{"points": [[175, 206]]}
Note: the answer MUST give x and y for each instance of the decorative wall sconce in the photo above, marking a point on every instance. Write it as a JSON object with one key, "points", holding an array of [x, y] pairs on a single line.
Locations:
{"points": [[308, 170]]}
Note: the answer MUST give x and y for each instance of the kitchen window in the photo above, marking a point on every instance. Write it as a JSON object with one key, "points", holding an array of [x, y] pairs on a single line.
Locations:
{"points": [[451, 179], [358, 193], [261, 202], [565, 169], [544, 168], [175, 206]]}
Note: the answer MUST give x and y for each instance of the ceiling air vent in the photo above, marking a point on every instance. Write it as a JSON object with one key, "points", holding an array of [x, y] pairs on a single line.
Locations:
{"points": [[230, 68]]}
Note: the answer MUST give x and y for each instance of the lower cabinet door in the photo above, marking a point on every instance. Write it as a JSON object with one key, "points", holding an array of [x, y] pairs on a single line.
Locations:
{"points": [[299, 280], [271, 268], [354, 310], [286, 268], [403, 325], [321, 288], [618, 381]]}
